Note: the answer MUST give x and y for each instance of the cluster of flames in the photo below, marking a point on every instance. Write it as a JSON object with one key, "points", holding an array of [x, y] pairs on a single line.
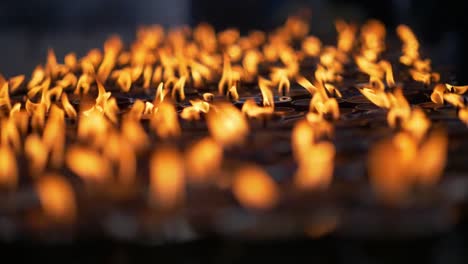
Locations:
{"points": [[108, 141]]}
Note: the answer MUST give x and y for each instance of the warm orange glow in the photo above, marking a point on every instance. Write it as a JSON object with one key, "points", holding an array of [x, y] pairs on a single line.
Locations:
{"points": [[267, 94], [311, 46], [410, 164], [9, 134], [437, 95], [179, 87], [433, 154], [315, 169], [232, 93], [417, 124], [324, 105], [454, 99], [228, 78], [164, 121], [250, 62], [346, 35], [37, 153], [389, 177], [143, 119], [5, 96], [167, 179], [463, 115], [254, 188], [226, 124], [302, 81], [124, 79], [8, 168], [203, 160], [57, 198], [410, 45], [135, 134], [193, 112], [88, 164], [377, 97], [15, 82], [458, 89], [121, 154], [37, 77]]}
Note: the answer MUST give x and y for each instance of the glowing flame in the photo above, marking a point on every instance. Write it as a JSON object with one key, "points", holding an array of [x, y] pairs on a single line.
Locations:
{"points": [[167, 179], [124, 80], [267, 94], [88, 164], [8, 168], [164, 121], [57, 198], [203, 160], [437, 95], [229, 77], [311, 46], [302, 81], [279, 77], [15, 82], [315, 158], [193, 112], [36, 152], [315, 166], [254, 188], [324, 105], [408, 166], [226, 124], [179, 87], [346, 35], [458, 89]]}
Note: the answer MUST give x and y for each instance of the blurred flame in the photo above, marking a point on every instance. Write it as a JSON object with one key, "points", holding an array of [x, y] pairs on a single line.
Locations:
{"points": [[167, 179], [315, 168], [311, 46], [346, 35], [410, 164], [315, 159], [88, 164], [57, 198], [203, 160], [8, 168], [36, 151], [254, 188], [164, 121], [226, 124]]}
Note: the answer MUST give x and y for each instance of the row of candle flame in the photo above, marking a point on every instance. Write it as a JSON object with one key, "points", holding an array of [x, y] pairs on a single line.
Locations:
{"points": [[107, 146]]}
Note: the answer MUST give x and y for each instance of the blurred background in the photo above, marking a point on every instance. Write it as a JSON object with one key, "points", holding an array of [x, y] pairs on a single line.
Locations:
{"points": [[29, 27]]}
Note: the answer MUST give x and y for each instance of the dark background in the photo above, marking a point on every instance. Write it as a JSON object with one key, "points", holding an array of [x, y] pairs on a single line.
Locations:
{"points": [[29, 27]]}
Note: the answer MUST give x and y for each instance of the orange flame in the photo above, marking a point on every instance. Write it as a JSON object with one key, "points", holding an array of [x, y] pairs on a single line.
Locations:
{"points": [[226, 124], [15, 82], [36, 151], [311, 46], [254, 188], [57, 198], [164, 121], [409, 165], [302, 81], [203, 160], [8, 168], [267, 94], [437, 95], [193, 112], [167, 179], [346, 35], [88, 164], [315, 166]]}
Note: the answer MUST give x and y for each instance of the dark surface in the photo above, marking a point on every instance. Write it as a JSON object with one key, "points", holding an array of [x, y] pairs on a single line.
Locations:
{"points": [[449, 248]]}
